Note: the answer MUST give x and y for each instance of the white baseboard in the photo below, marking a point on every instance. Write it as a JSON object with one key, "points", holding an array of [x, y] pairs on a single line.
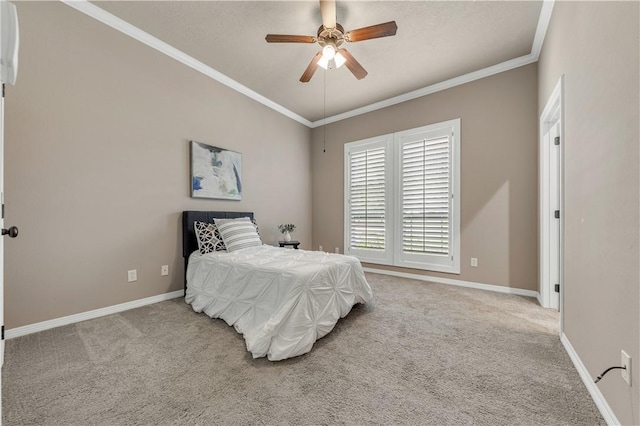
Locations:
{"points": [[595, 393], [83, 316], [459, 283]]}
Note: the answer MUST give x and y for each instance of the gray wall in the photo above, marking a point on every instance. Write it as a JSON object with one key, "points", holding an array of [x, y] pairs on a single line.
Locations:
{"points": [[596, 46], [97, 171], [97, 165], [499, 172]]}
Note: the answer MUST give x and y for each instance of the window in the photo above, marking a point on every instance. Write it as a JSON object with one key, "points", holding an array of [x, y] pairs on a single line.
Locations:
{"points": [[402, 198]]}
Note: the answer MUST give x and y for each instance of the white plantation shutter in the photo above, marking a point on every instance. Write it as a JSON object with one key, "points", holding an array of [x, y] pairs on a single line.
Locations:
{"points": [[368, 199], [368, 207], [401, 202], [427, 211], [425, 196]]}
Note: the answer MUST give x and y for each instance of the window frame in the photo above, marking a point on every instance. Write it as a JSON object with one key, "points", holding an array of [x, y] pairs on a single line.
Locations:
{"points": [[393, 253]]}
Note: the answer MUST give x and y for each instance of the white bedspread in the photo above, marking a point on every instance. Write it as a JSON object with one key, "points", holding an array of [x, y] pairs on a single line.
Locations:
{"points": [[281, 300]]}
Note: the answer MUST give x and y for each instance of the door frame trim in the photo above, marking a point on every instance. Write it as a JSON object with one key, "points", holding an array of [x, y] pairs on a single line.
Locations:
{"points": [[553, 112]]}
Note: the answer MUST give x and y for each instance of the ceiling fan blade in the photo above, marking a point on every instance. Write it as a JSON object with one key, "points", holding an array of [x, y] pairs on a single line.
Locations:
{"points": [[375, 31], [353, 65], [313, 66], [285, 38], [328, 10]]}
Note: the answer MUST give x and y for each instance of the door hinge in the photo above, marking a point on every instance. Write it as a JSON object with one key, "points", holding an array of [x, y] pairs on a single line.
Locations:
{"points": [[3, 90], [2, 333], [556, 288], [556, 214], [556, 140]]}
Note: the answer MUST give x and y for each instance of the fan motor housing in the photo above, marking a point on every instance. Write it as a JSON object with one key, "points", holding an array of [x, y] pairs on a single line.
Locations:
{"points": [[330, 36]]}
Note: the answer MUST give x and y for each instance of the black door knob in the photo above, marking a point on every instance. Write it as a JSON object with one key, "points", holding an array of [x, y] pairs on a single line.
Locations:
{"points": [[12, 232]]}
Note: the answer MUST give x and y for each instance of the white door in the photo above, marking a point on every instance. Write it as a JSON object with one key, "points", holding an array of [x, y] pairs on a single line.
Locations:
{"points": [[2, 227], [11, 232], [1, 240], [551, 214], [554, 213], [9, 41]]}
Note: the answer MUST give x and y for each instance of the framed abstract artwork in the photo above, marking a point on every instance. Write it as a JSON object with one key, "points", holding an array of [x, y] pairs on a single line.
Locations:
{"points": [[215, 172]]}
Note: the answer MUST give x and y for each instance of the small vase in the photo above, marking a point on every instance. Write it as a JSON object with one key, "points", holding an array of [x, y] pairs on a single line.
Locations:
{"points": [[287, 236]]}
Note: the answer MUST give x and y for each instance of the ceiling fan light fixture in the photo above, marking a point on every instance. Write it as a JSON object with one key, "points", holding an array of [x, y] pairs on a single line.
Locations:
{"points": [[323, 62], [330, 36], [328, 52]]}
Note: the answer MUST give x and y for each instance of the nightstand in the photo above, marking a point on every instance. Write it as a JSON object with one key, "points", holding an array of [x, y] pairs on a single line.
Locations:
{"points": [[293, 244]]}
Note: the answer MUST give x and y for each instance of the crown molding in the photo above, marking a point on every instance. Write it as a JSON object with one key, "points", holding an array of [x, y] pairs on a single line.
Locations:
{"points": [[136, 33], [541, 29], [447, 84], [113, 21]]}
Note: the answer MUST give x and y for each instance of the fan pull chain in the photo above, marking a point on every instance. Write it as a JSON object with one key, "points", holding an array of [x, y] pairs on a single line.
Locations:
{"points": [[324, 112]]}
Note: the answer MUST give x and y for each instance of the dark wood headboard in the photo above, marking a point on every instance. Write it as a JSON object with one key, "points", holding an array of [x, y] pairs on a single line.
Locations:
{"points": [[189, 241]]}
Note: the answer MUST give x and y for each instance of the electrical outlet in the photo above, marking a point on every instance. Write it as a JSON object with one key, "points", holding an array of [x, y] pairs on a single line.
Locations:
{"points": [[132, 275], [474, 262], [625, 361], [320, 248], [337, 249], [164, 270]]}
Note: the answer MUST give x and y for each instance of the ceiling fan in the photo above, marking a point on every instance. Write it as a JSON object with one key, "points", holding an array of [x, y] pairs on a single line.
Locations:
{"points": [[330, 37]]}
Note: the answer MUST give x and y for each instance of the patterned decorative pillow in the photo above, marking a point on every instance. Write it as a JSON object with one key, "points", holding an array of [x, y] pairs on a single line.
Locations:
{"points": [[238, 233], [208, 237]]}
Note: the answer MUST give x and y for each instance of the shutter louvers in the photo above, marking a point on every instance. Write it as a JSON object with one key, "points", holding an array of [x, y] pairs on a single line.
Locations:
{"points": [[367, 199], [425, 196]]}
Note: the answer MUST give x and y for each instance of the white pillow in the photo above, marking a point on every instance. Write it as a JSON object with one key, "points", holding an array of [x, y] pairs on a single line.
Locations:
{"points": [[238, 233]]}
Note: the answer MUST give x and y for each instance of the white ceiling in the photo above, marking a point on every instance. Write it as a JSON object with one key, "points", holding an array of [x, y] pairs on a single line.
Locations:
{"points": [[436, 41]]}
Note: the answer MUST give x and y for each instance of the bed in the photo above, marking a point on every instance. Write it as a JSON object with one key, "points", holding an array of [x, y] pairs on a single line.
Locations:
{"points": [[281, 300]]}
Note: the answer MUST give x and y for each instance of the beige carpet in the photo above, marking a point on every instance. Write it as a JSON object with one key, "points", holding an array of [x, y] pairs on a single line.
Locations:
{"points": [[419, 354]]}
